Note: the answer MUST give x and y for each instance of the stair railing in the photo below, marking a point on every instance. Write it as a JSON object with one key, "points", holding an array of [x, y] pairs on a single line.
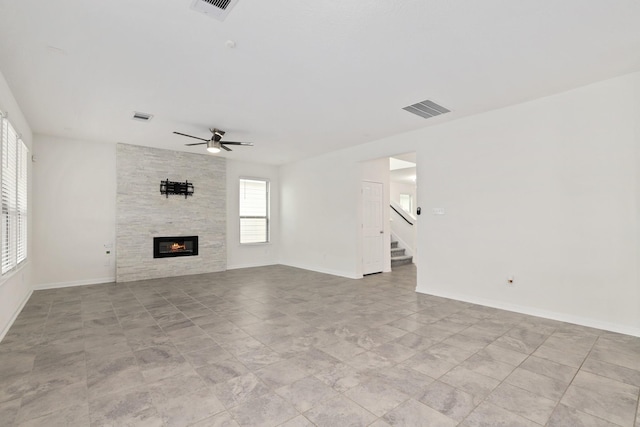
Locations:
{"points": [[401, 215]]}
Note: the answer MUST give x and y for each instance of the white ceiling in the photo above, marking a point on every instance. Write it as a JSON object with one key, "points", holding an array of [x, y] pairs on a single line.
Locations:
{"points": [[402, 168], [306, 77], [403, 176]]}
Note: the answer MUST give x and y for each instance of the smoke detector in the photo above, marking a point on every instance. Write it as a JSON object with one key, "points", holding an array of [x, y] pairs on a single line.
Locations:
{"points": [[218, 9]]}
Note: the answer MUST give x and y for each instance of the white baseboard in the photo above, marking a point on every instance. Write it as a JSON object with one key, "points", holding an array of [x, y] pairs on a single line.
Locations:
{"points": [[85, 282], [349, 275], [533, 311], [15, 315], [249, 265]]}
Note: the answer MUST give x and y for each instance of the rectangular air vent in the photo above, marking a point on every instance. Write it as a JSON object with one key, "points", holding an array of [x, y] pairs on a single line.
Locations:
{"points": [[218, 9], [143, 117], [426, 109]]}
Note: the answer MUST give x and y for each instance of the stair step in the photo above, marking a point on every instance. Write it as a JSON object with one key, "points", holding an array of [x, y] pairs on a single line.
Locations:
{"points": [[401, 260], [394, 245], [397, 252]]}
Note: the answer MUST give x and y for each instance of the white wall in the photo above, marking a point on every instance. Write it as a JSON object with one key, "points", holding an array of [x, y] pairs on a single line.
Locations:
{"points": [[398, 188], [75, 211], [241, 256], [546, 191], [15, 287], [319, 224]]}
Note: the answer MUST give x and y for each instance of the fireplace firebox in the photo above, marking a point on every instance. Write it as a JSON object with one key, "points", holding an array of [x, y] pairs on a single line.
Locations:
{"points": [[175, 246]]}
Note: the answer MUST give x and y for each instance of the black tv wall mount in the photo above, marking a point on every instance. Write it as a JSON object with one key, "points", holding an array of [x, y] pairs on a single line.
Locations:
{"points": [[172, 187]]}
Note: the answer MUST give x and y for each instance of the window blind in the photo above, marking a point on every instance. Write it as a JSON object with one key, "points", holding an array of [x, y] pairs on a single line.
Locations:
{"points": [[254, 211], [21, 202], [13, 197]]}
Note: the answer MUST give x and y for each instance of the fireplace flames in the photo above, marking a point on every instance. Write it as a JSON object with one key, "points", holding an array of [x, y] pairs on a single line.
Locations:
{"points": [[177, 247]]}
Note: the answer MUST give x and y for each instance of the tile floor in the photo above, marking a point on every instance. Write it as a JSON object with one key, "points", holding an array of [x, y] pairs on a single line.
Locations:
{"points": [[279, 346]]}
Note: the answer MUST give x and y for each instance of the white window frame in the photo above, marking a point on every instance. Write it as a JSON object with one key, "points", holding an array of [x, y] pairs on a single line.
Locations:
{"points": [[13, 198], [267, 217]]}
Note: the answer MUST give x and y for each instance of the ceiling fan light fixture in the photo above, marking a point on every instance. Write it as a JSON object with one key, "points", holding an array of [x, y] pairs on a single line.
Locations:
{"points": [[213, 147]]}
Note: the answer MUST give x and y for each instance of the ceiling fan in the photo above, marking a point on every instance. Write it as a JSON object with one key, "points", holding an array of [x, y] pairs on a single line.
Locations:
{"points": [[215, 143]]}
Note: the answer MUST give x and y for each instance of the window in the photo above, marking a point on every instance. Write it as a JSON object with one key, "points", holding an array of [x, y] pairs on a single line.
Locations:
{"points": [[406, 201], [254, 211], [13, 189]]}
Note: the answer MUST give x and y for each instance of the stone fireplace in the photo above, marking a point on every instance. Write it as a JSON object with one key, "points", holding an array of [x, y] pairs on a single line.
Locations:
{"points": [[191, 231]]}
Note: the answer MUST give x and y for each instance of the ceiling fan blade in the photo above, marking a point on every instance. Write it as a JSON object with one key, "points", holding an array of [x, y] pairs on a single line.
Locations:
{"points": [[198, 143], [191, 136], [225, 148], [237, 143]]}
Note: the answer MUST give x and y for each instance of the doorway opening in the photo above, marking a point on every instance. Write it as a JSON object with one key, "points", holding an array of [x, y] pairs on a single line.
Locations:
{"points": [[403, 193]]}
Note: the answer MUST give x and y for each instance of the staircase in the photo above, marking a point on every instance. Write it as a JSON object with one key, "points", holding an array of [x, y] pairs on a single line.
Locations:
{"points": [[398, 257]]}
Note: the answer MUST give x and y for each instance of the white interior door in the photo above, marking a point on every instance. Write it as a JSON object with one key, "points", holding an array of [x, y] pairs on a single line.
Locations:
{"points": [[372, 227]]}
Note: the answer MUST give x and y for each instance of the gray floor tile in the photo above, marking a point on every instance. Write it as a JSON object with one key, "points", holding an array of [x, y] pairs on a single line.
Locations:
{"points": [[13, 387], [223, 419], [76, 416], [376, 396], [604, 398], [161, 362], [132, 408], [394, 351], [43, 402], [541, 385], [206, 356], [281, 373], [341, 377], [259, 358], [148, 336], [339, 412], [488, 415], [261, 346], [405, 379], [306, 393], [299, 421], [609, 370], [240, 389], [450, 401], [501, 354], [488, 366], [477, 385], [265, 411], [521, 340], [9, 411], [413, 413], [562, 356], [566, 416], [548, 368], [112, 374], [183, 400], [221, 371], [523, 403]]}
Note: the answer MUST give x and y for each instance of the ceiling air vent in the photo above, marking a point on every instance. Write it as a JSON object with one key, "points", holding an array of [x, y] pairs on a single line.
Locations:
{"points": [[143, 117], [426, 109], [218, 9]]}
